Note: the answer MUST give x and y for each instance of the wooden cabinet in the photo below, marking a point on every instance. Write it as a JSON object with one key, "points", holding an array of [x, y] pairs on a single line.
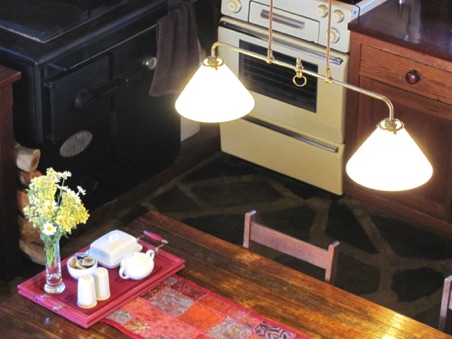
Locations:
{"points": [[420, 87], [9, 230]]}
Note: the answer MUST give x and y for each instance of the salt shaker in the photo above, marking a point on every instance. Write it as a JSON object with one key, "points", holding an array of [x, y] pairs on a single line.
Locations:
{"points": [[102, 283], [86, 292]]}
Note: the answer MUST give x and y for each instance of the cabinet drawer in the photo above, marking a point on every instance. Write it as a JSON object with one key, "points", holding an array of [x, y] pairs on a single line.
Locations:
{"points": [[393, 69]]}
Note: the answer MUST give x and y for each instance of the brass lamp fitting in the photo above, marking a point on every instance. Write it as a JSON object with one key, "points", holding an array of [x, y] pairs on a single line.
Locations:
{"points": [[213, 61], [391, 125], [299, 74]]}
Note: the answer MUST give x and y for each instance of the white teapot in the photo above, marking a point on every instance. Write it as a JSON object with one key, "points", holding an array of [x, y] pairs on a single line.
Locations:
{"points": [[137, 265]]}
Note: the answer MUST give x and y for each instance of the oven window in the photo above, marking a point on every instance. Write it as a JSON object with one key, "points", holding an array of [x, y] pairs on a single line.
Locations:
{"points": [[275, 81]]}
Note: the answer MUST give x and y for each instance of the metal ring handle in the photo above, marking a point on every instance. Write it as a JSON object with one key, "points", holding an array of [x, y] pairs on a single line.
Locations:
{"points": [[294, 80]]}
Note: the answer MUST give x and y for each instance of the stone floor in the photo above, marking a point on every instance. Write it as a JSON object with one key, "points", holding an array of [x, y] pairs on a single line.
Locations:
{"points": [[389, 261]]}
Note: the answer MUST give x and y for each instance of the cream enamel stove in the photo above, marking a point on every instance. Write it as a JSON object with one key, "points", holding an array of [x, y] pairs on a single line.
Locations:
{"points": [[296, 131]]}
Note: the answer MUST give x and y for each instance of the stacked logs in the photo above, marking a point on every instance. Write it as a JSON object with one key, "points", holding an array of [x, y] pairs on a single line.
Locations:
{"points": [[27, 161]]}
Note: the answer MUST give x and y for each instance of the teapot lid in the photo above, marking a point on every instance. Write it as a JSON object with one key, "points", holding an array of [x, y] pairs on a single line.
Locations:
{"points": [[139, 258]]}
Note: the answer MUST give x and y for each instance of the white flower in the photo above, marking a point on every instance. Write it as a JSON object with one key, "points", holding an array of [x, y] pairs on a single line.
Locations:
{"points": [[59, 219], [65, 175], [48, 229], [81, 190], [50, 205]]}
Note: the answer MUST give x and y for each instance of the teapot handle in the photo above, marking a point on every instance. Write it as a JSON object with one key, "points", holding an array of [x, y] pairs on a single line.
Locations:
{"points": [[121, 272], [151, 254]]}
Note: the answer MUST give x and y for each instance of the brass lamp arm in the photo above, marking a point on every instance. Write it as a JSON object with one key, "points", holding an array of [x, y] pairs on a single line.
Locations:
{"points": [[390, 123]]}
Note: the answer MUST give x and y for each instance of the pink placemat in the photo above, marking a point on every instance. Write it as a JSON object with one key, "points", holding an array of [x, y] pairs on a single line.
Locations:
{"points": [[179, 308]]}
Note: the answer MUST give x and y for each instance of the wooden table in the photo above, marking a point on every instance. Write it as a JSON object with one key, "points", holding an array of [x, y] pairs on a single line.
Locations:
{"points": [[277, 292]]}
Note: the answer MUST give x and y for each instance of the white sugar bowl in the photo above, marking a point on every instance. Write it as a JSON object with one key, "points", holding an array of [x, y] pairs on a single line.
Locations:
{"points": [[137, 265]]}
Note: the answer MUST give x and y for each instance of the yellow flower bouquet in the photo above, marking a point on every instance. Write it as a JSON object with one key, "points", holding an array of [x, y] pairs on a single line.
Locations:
{"points": [[55, 210]]}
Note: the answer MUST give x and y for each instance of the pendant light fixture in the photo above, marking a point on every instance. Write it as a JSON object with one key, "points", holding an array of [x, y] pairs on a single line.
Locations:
{"points": [[214, 94], [389, 160]]}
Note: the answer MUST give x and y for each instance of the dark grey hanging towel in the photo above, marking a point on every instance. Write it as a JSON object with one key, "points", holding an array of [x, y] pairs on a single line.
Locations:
{"points": [[177, 49]]}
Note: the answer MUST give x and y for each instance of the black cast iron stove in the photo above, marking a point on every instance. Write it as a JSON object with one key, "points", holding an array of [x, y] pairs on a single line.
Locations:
{"points": [[87, 66]]}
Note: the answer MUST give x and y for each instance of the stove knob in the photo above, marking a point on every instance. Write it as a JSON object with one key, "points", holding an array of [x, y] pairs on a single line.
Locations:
{"points": [[150, 62], [334, 35], [338, 16], [322, 11], [234, 6]]}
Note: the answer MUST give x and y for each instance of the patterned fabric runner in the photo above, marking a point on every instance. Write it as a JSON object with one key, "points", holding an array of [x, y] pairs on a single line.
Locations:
{"points": [[179, 309]]}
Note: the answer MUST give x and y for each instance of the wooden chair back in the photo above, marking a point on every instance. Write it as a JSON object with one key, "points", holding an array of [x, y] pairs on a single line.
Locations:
{"points": [[446, 304], [320, 257]]}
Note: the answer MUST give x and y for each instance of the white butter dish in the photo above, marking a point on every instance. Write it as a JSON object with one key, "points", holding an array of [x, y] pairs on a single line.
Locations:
{"points": [[109, 249]]}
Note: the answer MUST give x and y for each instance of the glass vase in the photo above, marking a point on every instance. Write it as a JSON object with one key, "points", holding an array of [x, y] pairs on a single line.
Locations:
{"points": [[54, 279]]}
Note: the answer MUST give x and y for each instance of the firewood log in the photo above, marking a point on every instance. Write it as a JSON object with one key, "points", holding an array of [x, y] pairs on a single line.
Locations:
{"points": [[25, 177], [32, 251], [27, 159], [22, 200], [28, 232]]}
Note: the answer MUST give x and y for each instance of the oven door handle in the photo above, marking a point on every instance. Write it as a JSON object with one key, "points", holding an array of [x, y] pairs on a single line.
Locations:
{"points": [[300, 137], [86, 97], [265, 14]]}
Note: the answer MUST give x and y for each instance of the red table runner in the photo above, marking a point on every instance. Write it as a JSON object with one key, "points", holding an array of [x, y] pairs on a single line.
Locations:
{"points": [[179, 308]]}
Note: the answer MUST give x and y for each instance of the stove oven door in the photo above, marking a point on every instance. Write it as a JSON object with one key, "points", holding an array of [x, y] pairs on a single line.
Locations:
{"points": [[297, 131], [77, 127]]}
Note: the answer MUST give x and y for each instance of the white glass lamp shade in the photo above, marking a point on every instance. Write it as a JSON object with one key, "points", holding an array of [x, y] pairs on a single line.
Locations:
{"points": [[214, 94], [389, 161]]}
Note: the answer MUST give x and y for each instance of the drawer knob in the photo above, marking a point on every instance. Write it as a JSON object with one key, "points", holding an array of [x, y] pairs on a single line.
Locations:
{"points": [[412, 77]]}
